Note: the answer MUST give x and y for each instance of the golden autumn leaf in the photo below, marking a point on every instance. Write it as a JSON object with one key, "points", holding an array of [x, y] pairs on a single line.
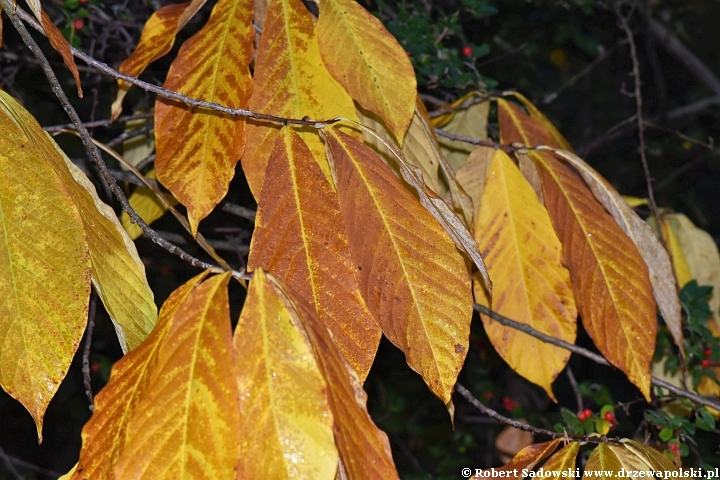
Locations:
{"points": [[610, 279], [285, 416], [523, 255], [531, 173], [118, 274], [197, 150], [297, 239], [103, 436], [536, 114], [652, 251], [61, 45], [413, 279], [156, 40], [368, 62], [701, 254], [185, 423], [602, 463], [44, 274], [656, 460], [563, 460], [470, 121], [527, 458], [680, 265], [146, 203], [364, 449], [632, 459], [290, 81]]}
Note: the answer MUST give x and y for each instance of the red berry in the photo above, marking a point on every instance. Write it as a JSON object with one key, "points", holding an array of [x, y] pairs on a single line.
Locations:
{"points": [[95, 367], [674, 448], [165, 270], [467, 51], [509, 403], [488, 395], [706, 363], [610, 416], [659, 427], [84, 1], [585, 414], [78, 24], [707, 352]]}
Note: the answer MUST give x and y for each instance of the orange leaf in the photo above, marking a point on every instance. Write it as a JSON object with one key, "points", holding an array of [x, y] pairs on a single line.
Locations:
{"points": [[61, 45], [411, 276], [368, 62], [297, 239], [364, 448], [515, 126], [285, 416], [156, 40], [523, 255], [185, 423], [527, 458], [290, 81], [557, 137], [197, 150], [104, 434], [610, 279]]}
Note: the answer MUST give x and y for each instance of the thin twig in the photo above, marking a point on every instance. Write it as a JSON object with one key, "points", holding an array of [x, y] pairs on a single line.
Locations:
{"points": [[710, 145], [93, 150], [8, 464], [243, 212], [588, 354], [466, 104], [29, 466], [86, 351], [524, 426], [639, 106], [99, 123], [576, 389]]}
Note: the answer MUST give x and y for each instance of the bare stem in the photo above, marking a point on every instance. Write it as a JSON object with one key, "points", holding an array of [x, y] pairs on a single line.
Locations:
{"points": [[86, 350]]}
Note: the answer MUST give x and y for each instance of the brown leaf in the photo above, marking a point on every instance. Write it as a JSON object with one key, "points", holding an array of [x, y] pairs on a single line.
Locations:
{"points": [[653, 253], [558, 139], [527, 458], [510, 441], [413, 279], [531, 173], [472, 175], [517, 126], [61, 45], [297, 239], [610, 279]]}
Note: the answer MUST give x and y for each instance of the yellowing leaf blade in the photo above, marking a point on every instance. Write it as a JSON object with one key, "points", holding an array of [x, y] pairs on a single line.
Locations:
{"points": [[653, 253], [118, 274], [610, 279], [44, 274], [527, 458], [285, 418], [290, 81], [61, 45], [412, 278], [147, 204], [297, 239], [103, 436], [564, 459], [368, 62], [469, 122], [364, 449], [524, 259], [197, 150], [185, 422]]}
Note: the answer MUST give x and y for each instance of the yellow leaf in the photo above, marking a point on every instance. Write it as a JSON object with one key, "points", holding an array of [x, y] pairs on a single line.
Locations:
{"points": [[103, 436], [118, 274], [44, 273], [147, 205], [654, 459], [156, 39], [285, 418], [290, 81], [185, 423], [610, 279], [563, 460], [651, 250], [469, 122], [368, 62], [559, 140], [197, 150], [523, 255], [413, 279], [615, 461], [680, 266], [297, 239], [701, 254], [364, 449], [635, 202], [602, 463]]}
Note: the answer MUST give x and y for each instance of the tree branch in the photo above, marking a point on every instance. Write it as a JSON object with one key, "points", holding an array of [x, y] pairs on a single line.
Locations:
{"points": [[10, 10]]}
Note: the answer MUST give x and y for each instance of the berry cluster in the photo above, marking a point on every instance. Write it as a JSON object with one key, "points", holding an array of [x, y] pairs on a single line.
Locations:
{"points": [[706, 362]]}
